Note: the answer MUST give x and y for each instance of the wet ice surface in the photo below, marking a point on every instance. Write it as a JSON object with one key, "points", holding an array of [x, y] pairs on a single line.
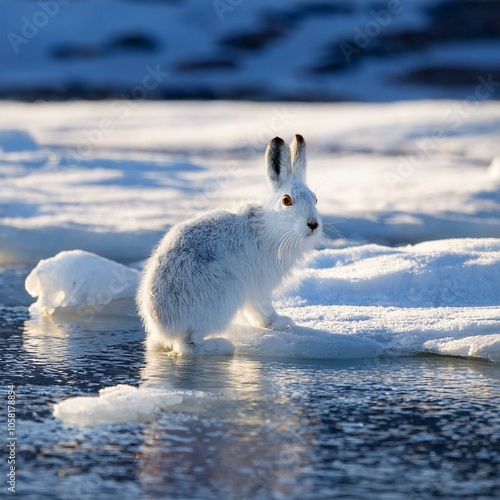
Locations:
{"points": [[411, 427]]}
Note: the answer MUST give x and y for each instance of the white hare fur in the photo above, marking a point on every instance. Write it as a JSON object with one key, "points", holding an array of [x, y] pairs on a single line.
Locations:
{"points": [[208, 268]]}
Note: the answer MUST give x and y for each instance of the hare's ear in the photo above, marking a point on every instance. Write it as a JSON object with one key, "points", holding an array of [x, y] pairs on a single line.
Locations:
{"points": [[278, 161], [299, 163]]}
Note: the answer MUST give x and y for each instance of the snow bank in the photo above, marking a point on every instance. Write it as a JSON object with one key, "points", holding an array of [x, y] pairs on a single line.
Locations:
{"points": [[118, 404], [441, 296], [358, 302], [458, 272], [77, 278]]}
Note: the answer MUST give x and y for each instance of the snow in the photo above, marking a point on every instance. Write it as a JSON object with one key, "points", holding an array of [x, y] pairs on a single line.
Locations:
{"points": [[431, 274], [440, 296], [379, 171]]}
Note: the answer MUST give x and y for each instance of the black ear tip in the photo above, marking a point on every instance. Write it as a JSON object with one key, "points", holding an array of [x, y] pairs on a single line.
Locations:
{"points": [[278, 141], [299, 138]]}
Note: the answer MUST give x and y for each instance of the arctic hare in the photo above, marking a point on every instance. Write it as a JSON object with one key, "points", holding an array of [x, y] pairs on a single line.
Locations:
{"points": [[206, 269]]}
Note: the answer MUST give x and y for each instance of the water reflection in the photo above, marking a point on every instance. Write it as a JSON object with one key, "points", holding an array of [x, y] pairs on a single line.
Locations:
{"points": [[238, 441], [46, 341], [63, 338], [296, 428], [87, 351]]}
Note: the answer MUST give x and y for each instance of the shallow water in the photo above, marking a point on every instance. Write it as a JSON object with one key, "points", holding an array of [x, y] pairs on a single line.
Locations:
{"points": [[413, 427]]}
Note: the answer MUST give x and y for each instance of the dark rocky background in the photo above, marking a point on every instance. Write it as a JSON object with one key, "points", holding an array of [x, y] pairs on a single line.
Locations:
{"points": [[364, 50]]}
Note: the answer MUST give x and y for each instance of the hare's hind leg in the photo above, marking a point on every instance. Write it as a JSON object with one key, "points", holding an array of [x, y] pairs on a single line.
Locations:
{"points": [[201, 346], [264, 315], [157, 338], [216, 346], [190, 343]]}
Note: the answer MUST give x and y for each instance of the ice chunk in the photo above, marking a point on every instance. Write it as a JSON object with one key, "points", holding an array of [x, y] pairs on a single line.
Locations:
{"points": [[483, 346], [117, 404], [300, 342], [76, 278]]}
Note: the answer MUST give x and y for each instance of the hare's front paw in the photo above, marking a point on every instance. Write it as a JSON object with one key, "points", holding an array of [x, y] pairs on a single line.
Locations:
{"points": [[281, 323]]}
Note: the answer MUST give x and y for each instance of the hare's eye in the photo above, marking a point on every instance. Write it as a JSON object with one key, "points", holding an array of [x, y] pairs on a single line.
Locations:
{"points": [[316, 202], [287, 200]]}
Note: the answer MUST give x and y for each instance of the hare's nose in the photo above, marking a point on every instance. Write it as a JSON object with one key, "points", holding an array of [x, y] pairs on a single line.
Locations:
{"points": [[312, 225]]}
